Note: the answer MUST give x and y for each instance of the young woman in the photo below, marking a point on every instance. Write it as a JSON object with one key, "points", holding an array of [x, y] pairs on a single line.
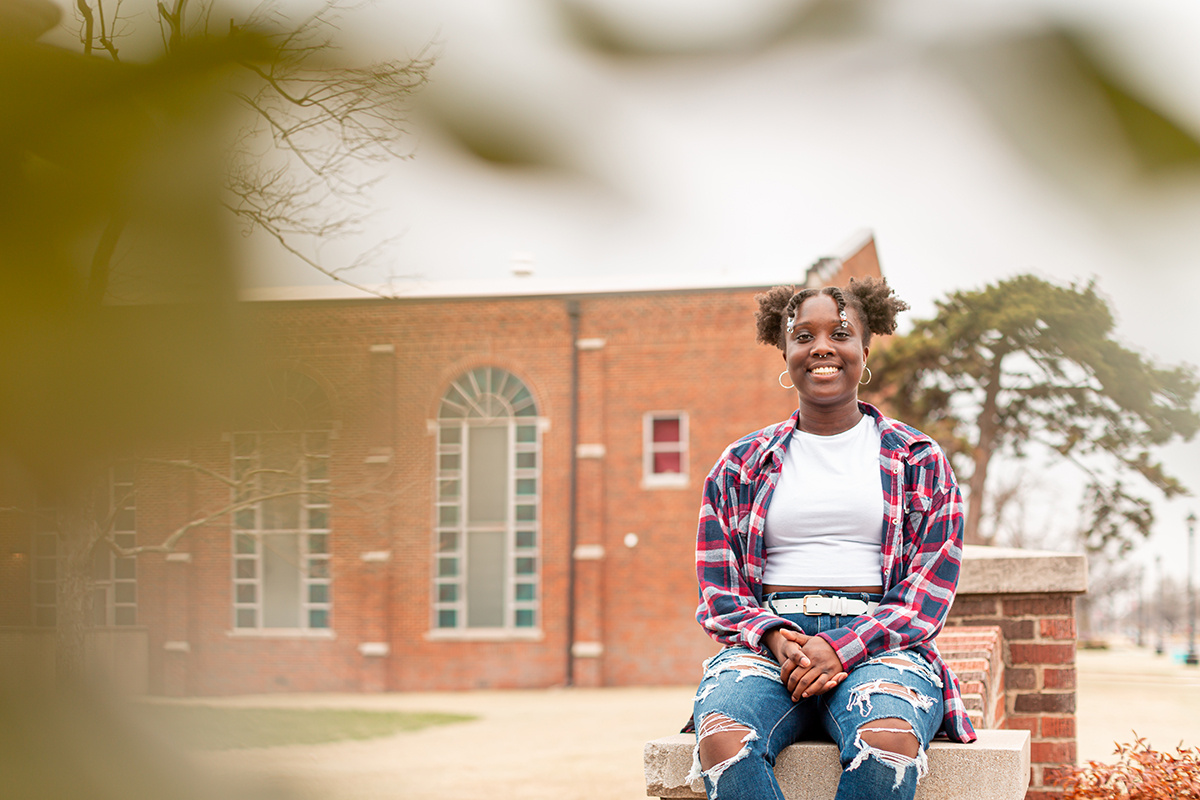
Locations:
{"points": [[828, 556]]}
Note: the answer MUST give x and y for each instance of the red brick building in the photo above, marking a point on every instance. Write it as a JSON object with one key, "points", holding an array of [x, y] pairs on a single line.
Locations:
{"points": [[461, 492]]}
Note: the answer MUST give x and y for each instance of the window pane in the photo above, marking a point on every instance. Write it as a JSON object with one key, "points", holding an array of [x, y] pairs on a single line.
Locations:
{"points": [[526, 460], [526, 486], [125, 539], [244, 543], [447, 592], [245, 569], [526, 513], [318, 593], [447, 618], [526, 566], [44, 594], [526, 591], [125, 615], [126, 520], [449, 462], [447, 567], [318, 568], [448, 490], [667, 463], [448, 515], [666, 430], [487, 482], [125, 568], [447, 542], [125, 592], [281, 581], [245, 592], [318, 469], [318, 543], [45, 569], [526, 539], [316, 442], [524, 618], [450, 434], [318, 618], [246, 618], [526, 434], [318, 519], [243, 519], [485, 579], [45, 617]]}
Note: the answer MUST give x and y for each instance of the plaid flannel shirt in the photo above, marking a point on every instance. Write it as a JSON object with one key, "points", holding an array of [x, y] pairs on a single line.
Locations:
{"points": [[922, 550]]}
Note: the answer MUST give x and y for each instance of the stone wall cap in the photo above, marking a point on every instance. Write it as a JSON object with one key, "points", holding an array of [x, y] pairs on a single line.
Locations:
{"points": [[996, 767], [1010, 570]]}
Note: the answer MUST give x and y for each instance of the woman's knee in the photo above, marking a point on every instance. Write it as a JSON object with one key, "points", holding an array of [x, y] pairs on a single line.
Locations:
{"points": [[891, 734], [721, 739]]}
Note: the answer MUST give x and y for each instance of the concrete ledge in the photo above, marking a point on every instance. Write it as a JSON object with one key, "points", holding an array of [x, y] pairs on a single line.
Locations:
{"points": [[1006, 570], [996, 767]]}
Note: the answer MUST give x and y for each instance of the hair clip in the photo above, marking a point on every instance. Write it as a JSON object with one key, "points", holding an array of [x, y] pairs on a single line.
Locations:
{"points": [[842, 314], [791, 324]]}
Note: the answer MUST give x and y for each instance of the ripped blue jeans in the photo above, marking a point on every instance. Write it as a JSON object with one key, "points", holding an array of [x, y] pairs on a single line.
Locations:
{"points": [[741, 692]]}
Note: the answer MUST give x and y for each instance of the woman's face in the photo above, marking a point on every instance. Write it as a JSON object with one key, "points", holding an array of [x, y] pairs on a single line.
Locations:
{"points": [[824, 357]]}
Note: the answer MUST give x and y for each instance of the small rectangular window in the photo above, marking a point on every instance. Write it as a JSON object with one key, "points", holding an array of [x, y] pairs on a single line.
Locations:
{"points": [[665, 449]]}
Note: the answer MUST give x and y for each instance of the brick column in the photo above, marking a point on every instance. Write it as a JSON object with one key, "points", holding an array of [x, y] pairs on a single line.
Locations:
{"points": [[1030, 596]]}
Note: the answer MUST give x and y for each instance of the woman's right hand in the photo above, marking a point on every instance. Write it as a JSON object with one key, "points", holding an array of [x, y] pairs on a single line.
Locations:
{"points": [[787, 647]]}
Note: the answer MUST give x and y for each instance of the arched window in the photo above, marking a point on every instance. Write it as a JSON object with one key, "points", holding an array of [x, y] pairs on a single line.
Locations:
{"points": [[486, 571], [281, 521]]}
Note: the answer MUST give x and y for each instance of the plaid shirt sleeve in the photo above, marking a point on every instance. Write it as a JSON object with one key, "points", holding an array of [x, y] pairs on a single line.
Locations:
{"points": [[729, 609], [924, 547]]}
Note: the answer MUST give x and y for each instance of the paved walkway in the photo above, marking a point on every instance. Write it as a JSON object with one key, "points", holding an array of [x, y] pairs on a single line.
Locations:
{"points": [[586, 744]]}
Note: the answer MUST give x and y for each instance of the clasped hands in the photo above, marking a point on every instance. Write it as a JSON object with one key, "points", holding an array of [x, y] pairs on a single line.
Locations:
{"points": [[809, 666]]}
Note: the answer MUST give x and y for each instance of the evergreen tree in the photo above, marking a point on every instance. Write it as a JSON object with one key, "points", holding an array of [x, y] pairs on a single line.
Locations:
{"points": [[1024, 362]]}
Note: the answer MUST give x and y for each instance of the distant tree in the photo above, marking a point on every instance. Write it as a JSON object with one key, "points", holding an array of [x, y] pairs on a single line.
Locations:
{"points": [[1025, 362], [118, 324]]}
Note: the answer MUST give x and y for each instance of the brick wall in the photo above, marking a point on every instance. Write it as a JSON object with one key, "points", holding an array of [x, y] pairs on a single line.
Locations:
{"points": [[1038, 629]]}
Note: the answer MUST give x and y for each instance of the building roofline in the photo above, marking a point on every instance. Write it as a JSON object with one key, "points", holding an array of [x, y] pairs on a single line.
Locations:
{"points": [[533, 286]]}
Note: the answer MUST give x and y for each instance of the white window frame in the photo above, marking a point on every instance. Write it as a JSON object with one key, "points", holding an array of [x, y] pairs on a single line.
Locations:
{"points": [[314, 531], [114, 596], [664, 480], [472, 402]]}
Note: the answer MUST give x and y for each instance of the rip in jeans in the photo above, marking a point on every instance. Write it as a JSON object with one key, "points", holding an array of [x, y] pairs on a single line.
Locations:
{"points": [[749, 664], [860, 696]]}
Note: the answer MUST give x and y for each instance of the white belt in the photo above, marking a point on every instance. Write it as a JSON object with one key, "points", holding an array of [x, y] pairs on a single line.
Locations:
{"points": [[821, 604]]}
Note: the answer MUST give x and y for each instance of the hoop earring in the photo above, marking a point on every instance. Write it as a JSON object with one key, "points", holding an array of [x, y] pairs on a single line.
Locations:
{"points": [[868, 380], [785, 372]]}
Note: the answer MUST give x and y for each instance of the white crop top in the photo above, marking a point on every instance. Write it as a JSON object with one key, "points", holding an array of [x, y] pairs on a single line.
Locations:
{"points": [[824, 525]]}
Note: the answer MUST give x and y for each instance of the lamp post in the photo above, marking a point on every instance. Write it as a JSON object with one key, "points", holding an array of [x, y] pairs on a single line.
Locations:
{"points": [[1191, 592], [1162, 642]]}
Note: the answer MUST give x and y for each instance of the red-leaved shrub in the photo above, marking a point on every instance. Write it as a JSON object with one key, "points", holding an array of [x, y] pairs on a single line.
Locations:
{"points": [[1141, 773]]}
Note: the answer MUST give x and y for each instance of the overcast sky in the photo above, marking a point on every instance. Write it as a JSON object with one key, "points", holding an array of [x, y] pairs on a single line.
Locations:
{"points": [[712, 146]]}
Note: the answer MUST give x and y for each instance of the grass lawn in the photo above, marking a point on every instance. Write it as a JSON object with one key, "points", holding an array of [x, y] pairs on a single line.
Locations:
{"points": [[220, 728]]}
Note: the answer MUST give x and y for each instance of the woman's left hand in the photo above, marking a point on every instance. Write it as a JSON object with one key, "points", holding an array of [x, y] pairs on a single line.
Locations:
{"points": [[824, 671]]}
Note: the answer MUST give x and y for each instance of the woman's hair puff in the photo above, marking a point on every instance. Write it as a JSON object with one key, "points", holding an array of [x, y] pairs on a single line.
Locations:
{"points": [[871, 299]]}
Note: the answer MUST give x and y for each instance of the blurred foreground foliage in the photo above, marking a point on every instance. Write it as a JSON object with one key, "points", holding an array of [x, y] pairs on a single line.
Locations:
{"points": [[1140, 773], [127, 181]]}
